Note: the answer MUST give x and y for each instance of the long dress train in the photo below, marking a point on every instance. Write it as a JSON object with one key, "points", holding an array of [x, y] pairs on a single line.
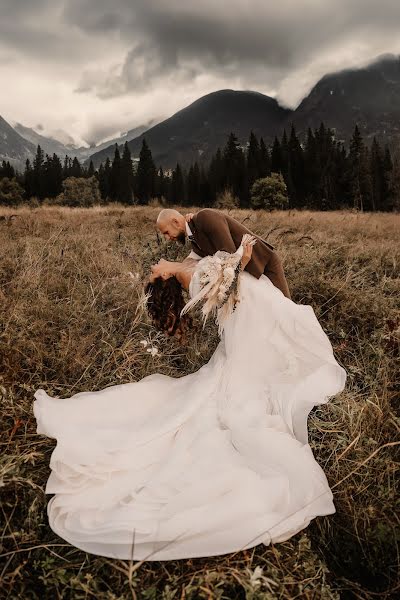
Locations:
{"points": [[209, 463]]}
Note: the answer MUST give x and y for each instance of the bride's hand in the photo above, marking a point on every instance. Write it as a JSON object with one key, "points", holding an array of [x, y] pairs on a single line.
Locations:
{"points": [[247, 242]]}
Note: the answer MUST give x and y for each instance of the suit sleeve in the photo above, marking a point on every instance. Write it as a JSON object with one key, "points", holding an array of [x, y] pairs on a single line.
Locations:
{"points": [[216, 228]]}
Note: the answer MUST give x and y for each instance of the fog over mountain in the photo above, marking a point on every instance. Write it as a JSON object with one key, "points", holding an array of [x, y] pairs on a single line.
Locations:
{"points": [[368, 97], [92, 68]]}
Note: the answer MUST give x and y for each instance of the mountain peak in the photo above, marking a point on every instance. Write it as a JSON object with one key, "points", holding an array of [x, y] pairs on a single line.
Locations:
{"points": [[195, 132], [368, 96], [385, 59], [13, 147], [381, 63]]}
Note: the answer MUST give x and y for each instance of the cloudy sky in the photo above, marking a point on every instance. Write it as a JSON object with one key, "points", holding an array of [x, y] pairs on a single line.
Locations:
{"points": [[91, 69]]}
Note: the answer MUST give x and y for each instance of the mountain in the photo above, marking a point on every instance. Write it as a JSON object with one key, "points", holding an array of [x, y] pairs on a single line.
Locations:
{"points": [[13, 147], [48, 145], [125, 137], [368, 96], [19, 143], [51, 145], [195, 132], [120, 140]]}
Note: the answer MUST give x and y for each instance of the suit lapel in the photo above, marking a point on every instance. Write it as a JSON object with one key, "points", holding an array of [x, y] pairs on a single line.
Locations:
{"points": [[196, 235], [192, 225]]}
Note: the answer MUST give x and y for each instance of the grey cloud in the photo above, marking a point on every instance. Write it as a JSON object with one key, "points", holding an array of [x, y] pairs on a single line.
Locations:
{"points": [[99, 131], [21, 8], [37, 43], [174, 42], [178, 50], [19, 23], [36, 29]]}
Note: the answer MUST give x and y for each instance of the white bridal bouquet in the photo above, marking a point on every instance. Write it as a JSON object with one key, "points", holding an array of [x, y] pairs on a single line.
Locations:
{"points": [[217, 278]]}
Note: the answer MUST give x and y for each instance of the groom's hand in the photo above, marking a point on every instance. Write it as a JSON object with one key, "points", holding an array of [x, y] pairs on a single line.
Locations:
{"points": [[189, 217]]}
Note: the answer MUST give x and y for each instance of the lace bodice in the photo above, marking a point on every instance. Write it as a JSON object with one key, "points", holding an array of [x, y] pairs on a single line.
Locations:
{"points": [[215, 282], [194, 286]]}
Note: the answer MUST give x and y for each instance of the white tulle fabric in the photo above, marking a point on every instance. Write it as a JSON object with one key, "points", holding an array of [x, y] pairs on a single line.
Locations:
{"points": [[202, 465]]}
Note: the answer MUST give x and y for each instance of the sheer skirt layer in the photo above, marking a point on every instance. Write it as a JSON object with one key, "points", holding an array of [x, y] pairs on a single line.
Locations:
{"points": [[209, 463]]}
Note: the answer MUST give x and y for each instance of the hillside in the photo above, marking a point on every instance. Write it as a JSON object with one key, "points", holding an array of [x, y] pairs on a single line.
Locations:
{"points": [[13, 147], [195, 132], [369, 97]]}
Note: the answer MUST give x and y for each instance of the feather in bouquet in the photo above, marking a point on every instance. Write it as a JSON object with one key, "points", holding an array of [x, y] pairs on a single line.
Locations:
{"points": [[217, 278]]}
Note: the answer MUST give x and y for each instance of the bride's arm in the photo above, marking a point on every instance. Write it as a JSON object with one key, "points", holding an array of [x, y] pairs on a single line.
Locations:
{"points": [[175, 267], [247, 242]]}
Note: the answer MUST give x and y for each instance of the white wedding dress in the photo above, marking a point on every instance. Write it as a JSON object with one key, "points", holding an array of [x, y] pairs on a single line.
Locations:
{"points": [[202, 465]]}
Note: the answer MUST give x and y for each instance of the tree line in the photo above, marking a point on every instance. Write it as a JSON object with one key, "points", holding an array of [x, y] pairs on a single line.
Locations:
{"points": [[318, 172]]}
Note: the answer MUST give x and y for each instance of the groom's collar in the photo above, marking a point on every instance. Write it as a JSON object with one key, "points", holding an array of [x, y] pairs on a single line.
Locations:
{"points": [[188, 230]]}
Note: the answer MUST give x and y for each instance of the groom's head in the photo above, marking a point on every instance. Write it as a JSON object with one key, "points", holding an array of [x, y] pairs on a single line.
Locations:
{"points": [[172, 225]]}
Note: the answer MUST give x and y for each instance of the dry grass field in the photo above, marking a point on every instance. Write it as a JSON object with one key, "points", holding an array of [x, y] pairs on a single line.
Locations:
{"points": [[72, 319]]}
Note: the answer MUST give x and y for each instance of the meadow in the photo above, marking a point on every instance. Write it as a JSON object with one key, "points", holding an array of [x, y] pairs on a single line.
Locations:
{"points": [[72, 318]]}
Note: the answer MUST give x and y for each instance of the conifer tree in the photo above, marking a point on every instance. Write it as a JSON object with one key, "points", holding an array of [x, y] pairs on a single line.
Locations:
{"points": [[76, 169], [391, 182], [295, 176], [311, 170], [37, 179], [115, 177], [177, 188], [126, 176], [284, 154], [7, 170], [52, 176], [104, 178], [377, 176], [161, 185], [205, 195], [145, 175], [28, 179], [66, 167], [276, 157], [360, 182], [253, 160], [215, 175], [320, 175], [193, 185], [91, 170], [342, 183], [265, 161], [235, 169]]}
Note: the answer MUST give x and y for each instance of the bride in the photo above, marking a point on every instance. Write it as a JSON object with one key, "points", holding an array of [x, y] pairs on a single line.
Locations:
{"points": [[209, 463]]}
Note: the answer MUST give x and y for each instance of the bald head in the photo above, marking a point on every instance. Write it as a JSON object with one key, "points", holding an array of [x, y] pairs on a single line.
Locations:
{"points": [[167, 214], [172, 225]]}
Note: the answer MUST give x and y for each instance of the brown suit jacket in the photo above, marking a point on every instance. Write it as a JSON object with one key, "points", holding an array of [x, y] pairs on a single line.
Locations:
{"points": [[213, 230]]}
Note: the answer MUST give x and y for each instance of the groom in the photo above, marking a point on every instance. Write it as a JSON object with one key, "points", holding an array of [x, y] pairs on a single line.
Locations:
{"points": [[210, 230]]}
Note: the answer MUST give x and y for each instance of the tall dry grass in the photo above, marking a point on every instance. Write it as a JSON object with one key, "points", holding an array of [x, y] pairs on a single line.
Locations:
{"points": [[72, 319]]}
